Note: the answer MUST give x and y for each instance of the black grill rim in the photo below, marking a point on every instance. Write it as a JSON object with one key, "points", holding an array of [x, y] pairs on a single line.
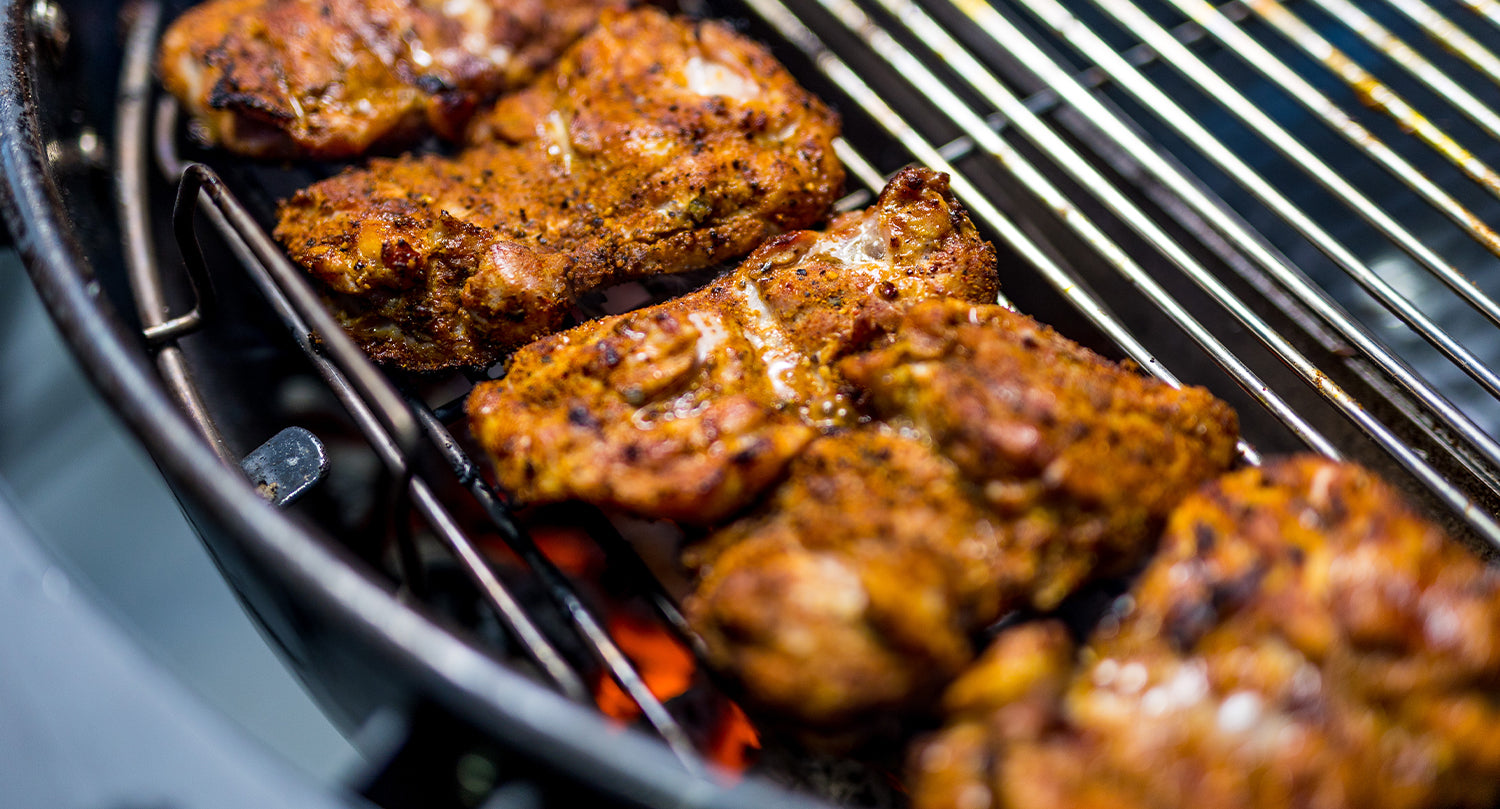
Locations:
{"points": [[314, 587]]}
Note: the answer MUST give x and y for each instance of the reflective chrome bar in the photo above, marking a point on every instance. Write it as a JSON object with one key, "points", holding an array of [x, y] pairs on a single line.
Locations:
{"points": [[858, 165], [937, 91], [1126, 76], [1256, 56], [1374, 93], [1488, 9], [1414, 63], [1277, 136], [836, 69], [792, 28], [1453, 37]]}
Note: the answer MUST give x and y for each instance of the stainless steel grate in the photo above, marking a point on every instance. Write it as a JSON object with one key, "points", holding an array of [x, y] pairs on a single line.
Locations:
{"points": [[399, 426], [1096, 158], [1291, 203]]}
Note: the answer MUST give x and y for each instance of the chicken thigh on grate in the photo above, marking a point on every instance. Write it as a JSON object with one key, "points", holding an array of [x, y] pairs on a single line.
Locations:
{"points": [[1302, 639], [655, 145]]}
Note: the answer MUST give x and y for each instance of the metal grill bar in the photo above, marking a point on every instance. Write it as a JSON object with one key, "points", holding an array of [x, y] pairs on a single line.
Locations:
{"points": [[925, 82], [934, 88], [1290, 146], [131, 113], [1453, 37], [1375, 93], [1003, 33], [1262, 60], [789, 26], [1488, 9], [1415, 63], [858, 166], [792, 28]]}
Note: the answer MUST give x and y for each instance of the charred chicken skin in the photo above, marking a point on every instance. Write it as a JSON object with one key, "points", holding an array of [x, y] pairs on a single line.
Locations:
{"points": [[687, 410], [655, 145], [332, 78], [1302, 640], [1013, 466]]}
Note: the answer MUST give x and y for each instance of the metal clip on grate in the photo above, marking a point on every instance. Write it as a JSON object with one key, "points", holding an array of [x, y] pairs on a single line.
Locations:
{"points": [[1043, 103], [397, 428], [357, 382]]}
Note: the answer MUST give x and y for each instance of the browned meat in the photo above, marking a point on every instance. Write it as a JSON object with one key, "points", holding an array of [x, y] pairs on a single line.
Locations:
{"points": [[686, 410], [1016, 466], [331, 78], [1082, 457], [1302, 640], [655, 145], [851, 593]]}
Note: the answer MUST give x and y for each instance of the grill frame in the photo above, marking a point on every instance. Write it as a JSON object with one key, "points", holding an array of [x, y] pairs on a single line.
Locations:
{"points": [[263, 551], [363, 652]]}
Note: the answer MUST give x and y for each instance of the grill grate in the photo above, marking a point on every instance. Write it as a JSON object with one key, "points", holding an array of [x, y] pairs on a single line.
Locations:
{"points": [[395, 424], [1148, 163], [941, 68]]}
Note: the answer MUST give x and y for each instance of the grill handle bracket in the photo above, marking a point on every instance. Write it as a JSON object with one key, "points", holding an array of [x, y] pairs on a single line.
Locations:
{"points": [[197, 270]]}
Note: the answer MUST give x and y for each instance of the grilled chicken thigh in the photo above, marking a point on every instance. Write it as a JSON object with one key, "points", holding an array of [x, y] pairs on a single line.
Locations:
{"points": [[1013, 466], [331, 78], [1083, 457], [655, 145], [1302, 640], [686, 410], [850, 594]]}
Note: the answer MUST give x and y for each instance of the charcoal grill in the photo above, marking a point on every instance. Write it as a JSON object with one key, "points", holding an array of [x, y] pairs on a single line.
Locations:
{"points": [[1292, 203]]}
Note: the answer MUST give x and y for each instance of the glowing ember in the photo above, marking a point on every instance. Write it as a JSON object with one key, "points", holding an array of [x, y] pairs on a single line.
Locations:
{"points": [[733, 739], [568, 548], [664, 663], [667, 667], [571, 550]]}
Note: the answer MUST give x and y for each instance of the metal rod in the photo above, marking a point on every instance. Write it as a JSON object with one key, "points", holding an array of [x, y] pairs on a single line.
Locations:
{"points": [[377, 429], [1416, 64], [1062, 21], [935, 89], [1006, 35], [141, 265], [858, 166], [793, 29], [558, 588], [1376, 94], [371, 384], [1452, 36], [1217, 88], [1488, 9]]}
